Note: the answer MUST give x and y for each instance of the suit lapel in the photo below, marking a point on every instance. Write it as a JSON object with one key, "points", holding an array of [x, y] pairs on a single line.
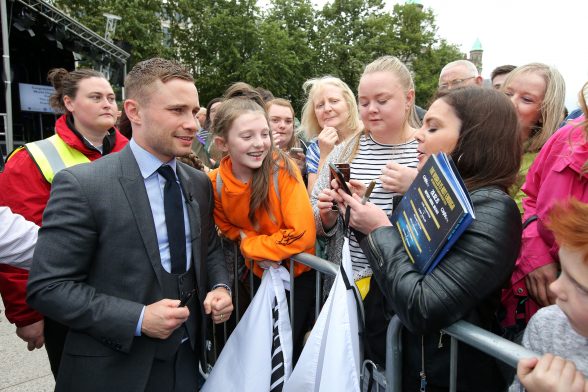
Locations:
{"points": [[134, 187], [194, 216]]}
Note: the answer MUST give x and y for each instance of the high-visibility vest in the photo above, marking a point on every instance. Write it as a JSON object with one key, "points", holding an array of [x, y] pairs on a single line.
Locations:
{"points": [[52, 155]]}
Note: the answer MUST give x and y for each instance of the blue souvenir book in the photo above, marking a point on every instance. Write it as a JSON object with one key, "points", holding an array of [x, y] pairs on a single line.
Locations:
{"points": [[433, 213]]}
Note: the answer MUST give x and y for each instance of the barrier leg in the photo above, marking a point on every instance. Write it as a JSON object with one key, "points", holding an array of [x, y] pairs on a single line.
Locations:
{"points": [[317, 309], [394, 356], [453, 365], [236, 282], [292, 297], [251, 291]]}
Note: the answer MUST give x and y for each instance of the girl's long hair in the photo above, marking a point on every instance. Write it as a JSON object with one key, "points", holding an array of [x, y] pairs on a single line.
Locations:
{"points": [[261, 180]]}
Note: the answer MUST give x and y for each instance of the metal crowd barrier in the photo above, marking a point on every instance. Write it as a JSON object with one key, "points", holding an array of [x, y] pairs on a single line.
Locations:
{"points": [[321, 266], [487, 342], [390, 379]]}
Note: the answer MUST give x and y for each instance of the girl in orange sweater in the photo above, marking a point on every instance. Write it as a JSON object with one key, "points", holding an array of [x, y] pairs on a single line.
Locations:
{"points": [[261, 201]]}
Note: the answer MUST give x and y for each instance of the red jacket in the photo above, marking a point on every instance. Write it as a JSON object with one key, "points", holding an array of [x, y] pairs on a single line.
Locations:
{"points": [[24, 189]]}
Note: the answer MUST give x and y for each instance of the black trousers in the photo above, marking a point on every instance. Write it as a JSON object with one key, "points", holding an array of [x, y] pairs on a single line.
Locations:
{"points": [[179, 374], [55, 334]]}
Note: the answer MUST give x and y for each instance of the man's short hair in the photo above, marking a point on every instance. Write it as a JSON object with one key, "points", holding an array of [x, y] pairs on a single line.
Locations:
{"points": [[144, 74], [471, 67], [502, 70]]}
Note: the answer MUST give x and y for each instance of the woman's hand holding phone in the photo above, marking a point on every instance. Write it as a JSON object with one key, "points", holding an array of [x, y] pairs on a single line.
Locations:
{"points": [[297, 154], [326, 198]]}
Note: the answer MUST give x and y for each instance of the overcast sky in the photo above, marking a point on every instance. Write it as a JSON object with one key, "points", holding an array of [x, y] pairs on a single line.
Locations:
{"points": [[519, 32]]}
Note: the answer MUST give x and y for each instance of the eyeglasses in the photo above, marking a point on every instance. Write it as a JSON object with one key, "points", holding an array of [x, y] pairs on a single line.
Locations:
{"points": [[454, 83]]}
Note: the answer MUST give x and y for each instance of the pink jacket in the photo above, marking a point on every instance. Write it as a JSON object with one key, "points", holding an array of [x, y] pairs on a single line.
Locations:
{"points": [[554, 176]]}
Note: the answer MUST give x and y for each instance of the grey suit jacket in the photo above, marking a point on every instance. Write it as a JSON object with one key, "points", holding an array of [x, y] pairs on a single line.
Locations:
{"points": [[97, 264]]}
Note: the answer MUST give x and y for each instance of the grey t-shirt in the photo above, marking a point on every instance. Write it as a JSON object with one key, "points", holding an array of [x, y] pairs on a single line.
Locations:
{"points": [[549, 331]]}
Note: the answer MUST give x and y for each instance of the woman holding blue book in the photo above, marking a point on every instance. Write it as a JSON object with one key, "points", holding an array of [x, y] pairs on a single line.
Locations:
{"points": [[477, 128]]}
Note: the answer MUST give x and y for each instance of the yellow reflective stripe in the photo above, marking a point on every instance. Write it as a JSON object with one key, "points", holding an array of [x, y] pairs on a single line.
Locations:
{"points": [[52, 155], [13, 153], [41, 160], [70, 156]]}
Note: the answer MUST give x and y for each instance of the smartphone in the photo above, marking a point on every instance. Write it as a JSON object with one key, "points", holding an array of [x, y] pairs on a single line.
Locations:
{"points": [[294, 151], [337, 175], [186, 298]]}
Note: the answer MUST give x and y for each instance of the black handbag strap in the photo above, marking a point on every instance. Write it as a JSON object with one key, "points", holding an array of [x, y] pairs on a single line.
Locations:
{"points": [[530, 220]]}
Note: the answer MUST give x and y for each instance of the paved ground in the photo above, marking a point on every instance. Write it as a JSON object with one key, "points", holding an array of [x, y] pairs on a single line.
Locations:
{"points": [[21, 370]]}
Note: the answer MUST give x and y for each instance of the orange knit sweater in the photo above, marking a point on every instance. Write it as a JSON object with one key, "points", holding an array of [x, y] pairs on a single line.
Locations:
{"points": [[292, 230]]}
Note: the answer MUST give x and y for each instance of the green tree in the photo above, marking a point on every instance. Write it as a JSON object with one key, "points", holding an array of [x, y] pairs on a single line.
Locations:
{"points": [[140, 27], [289, 48], [216, 40], [226, 41], [410, 33], [343, 37]]}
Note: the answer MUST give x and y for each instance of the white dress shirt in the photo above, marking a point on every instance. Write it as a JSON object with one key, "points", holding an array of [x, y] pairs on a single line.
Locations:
{"points": [[18, 237]]}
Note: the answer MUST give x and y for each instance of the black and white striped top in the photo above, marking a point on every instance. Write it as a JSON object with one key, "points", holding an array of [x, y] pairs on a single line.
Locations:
{"points": [[366, 166]]}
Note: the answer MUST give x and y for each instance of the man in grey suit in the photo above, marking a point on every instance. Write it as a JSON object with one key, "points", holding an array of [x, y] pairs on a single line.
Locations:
{"points": [[110, 263]]}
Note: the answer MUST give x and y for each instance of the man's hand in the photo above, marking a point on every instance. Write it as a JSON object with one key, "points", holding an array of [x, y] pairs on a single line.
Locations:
{"points": [[162, 318], [550, 374], [32, 334], [218, 304], [538, 282]]}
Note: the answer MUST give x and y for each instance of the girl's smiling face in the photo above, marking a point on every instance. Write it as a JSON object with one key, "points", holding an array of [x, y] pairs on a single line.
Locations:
{"points": [[248, 143]]}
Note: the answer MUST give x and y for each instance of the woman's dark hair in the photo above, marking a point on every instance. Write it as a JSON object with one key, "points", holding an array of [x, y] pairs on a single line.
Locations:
{"points": [[265, 94], [67, 83], [489, 148], [207, 121], [124, 125]]}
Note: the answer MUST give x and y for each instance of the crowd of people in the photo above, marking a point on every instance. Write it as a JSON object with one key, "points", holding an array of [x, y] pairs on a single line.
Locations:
{"points": [[131, 264]]}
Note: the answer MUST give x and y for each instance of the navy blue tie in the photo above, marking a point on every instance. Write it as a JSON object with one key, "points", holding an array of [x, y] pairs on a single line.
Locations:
{"points": [[174, 220]]}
